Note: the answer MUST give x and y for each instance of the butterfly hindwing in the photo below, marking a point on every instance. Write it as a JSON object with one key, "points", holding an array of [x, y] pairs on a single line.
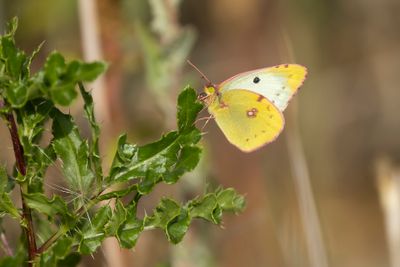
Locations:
{"points": [[247, 119], [278, 83]]}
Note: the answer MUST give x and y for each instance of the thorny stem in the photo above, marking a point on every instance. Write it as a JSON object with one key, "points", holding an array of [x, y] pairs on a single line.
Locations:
{"points": [[21, 166]]}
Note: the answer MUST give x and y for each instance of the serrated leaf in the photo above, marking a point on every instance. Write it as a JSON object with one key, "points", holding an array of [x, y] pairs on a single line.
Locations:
{"points": [[153, 161], [94, 233], [11, 27], [187, 160], [229, 200], [177, 228], [89, 71], [73, 153], [33, 115], [62, 77], [95, 130], [58, 252], [188, 108], [117, 219], [38, 160], [117, 193], [63, 94], [171, 217], [7, 207], [71, 260], [15, 60], [3, 179], [16, 94], [128, 233], [207, 208], [50, 207], [165, 212], [54, 68], [174, 154], [62, 247], [33, 55]]}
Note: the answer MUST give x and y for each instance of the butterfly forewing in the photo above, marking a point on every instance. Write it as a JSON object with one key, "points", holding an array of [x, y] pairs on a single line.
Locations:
{"points": [[247, 119], [278, 84]]}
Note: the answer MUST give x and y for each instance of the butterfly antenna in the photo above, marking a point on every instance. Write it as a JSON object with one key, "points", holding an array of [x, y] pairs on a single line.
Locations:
{"points": [[209, 83]]}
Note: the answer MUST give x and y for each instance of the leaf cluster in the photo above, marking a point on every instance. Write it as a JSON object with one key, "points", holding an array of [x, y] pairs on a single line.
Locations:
{"points": [[62, 221]]}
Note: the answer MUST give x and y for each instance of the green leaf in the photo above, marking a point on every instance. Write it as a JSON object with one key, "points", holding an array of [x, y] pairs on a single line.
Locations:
{"points": [[5, 185], [61, 87], [61, 78], [11, 27], [177, 228], [117, 193], [62, 247], [3, 179], [89, 71], [187, 160], [38, 160], [171, 217], [33, 116], [95, 130], [168, 158], [229, 200], [128, 233], [7, 207], [54, 68], [50, 207], [206, 208], [73, 153], [188, 108], [33, 55], [117, 219], [166, 211], [17, 94], [71, 260], [94, 233], [56, 253], [175, 219], [15, 60], [63, 94]]}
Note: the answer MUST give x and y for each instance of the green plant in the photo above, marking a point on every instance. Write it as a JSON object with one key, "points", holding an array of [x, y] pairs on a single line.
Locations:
{"points": [[69, 229]]}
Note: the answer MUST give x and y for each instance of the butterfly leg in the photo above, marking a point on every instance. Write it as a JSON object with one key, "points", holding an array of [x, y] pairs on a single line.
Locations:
{"points": [[204, 118], [208, 119]]}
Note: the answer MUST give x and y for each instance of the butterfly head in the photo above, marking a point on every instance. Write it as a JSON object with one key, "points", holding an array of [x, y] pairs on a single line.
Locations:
{"points": [[208, 95]]}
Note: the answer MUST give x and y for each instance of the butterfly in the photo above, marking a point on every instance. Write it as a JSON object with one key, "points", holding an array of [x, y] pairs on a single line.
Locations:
{"points": [[248, 106]]}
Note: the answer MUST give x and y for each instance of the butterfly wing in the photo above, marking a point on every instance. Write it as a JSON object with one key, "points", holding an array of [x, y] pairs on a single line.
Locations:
{"points": [[247, 119], [278, 83]]}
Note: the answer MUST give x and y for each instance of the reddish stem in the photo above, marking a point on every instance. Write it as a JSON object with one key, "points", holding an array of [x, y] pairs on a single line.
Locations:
{"points": [[21, 166]]}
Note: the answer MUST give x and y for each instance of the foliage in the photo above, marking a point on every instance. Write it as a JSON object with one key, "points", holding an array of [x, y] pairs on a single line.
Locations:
{"points": [[34, 99]]}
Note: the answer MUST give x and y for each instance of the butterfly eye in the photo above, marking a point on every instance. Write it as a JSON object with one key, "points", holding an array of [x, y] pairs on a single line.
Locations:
{"points": [[202, 96], [256, 80]]}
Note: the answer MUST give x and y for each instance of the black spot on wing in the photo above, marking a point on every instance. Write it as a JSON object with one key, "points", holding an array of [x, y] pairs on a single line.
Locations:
{"points": [[256, 80]]}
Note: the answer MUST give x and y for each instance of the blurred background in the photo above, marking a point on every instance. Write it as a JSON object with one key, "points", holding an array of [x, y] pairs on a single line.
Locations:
{"points": [[326, 193]]}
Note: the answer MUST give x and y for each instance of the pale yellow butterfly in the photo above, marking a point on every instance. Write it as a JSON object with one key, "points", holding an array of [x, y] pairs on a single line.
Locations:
{"points": [[248, 107]]}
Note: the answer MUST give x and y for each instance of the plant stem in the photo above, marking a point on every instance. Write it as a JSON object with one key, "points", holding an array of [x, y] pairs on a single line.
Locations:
{"points": [[21, 166]]}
